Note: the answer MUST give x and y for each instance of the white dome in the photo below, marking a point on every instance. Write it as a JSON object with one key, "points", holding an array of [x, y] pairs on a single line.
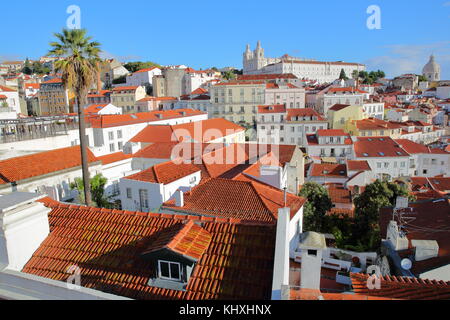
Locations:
{"points": [[431, 66]]}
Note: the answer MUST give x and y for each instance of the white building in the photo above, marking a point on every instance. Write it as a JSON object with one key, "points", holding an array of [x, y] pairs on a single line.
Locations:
{"points": [[288, 94], [426, 161], [374, 110], [255, 62], [443, 92], [112, 132], [143, 77], [9, 103], [387, 158], [278, 125], [149, 189], [331, 143], [49, 173], [330, 96]]}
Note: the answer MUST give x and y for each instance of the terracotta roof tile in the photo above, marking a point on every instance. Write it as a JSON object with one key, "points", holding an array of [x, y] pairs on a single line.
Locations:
{"points": [[246, 200], [164, 173], [378, 147], [107, 246], [358, 165], [402, 288], [328, 170], [38, 164], [114, 157]]}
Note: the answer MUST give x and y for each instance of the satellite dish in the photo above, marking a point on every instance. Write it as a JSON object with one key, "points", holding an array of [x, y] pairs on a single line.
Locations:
{"points": [[406, 264]]}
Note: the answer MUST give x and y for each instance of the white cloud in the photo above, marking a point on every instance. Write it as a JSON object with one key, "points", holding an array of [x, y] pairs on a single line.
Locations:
{"points": [[400, 59]]}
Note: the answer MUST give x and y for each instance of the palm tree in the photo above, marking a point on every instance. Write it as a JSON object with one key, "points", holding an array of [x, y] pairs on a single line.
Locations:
{"points": [[78, 64]]}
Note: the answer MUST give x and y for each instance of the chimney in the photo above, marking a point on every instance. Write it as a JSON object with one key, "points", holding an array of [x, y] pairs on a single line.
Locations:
{"points": [[23, 227], [281, 262], [311, 246], [179, 198]]}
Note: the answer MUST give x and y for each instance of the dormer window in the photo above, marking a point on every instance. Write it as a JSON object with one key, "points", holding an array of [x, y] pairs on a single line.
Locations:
{"points": [[169, 270], [175, 252]]}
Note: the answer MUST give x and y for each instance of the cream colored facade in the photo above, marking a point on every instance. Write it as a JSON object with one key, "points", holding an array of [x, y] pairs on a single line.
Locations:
{"points": [[54, 99], [337, 119], [237, 101], [126, 98]]}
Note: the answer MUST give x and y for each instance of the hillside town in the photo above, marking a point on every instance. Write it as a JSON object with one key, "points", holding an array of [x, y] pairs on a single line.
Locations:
{"points": [[287, 178]]}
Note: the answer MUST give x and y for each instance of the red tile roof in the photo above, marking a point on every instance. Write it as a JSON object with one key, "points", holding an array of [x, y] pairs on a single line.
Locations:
{"points": [[338, 107], [164, 173], [114, 157], [378, 147], [239, 83], [338, 193], [402, 288], [33, 165], [414, 148], [3, 96], [125, 88], [331, 133], [375, 124], [187, 131], [247, 77], [107, 246], [276, 108], [6, 89], [33, 85], [245, 200], [94, 108], [115, 120], [199, 91], [358, 165], [146, 70], [187, 239], [303, 112], [54, 80], [312, 294], [328, 170]]}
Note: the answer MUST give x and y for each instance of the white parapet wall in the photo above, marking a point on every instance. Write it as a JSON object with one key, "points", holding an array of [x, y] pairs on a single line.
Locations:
{"points": [[15, 285]]}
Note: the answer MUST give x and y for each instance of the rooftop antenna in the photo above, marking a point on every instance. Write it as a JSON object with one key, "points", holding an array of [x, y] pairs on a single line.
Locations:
{"points": [[285, 196]]}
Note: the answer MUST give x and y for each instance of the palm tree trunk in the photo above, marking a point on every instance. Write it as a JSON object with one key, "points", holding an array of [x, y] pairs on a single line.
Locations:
{"points": [[84, 157]]}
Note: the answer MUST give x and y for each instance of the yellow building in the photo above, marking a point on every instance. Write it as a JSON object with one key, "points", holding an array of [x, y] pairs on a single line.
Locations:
{"points": [[373, 127], [237, 101], [339, 114], [54, 99], [126, 97]]}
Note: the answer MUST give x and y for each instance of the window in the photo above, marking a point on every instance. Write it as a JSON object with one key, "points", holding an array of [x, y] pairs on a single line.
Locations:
{"points": [[169, 270], [143, 199], [112, 147], [120, 145], [312, 253], [129, 193], [111, 135], [119, 134]]}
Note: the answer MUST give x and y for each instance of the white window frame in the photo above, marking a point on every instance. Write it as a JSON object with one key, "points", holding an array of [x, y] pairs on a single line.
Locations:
{"points": [[170, 272]]}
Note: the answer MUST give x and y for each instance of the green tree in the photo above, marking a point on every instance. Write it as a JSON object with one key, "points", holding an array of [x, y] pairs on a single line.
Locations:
{"points": [[229, 75], [355, 74], [38, 68], [79, 68], [343, 76], [422, 78], [119, 80], [27, 67], [376, 195], [139, 65], [97, 187], [315, 209]]}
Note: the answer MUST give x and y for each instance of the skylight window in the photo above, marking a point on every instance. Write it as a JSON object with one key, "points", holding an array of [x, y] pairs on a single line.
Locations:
{"points": [[365, 154], [381, 153]]}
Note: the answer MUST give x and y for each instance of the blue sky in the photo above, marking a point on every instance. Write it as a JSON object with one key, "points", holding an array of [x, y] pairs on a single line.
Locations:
{"points": [[206, 33]]}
